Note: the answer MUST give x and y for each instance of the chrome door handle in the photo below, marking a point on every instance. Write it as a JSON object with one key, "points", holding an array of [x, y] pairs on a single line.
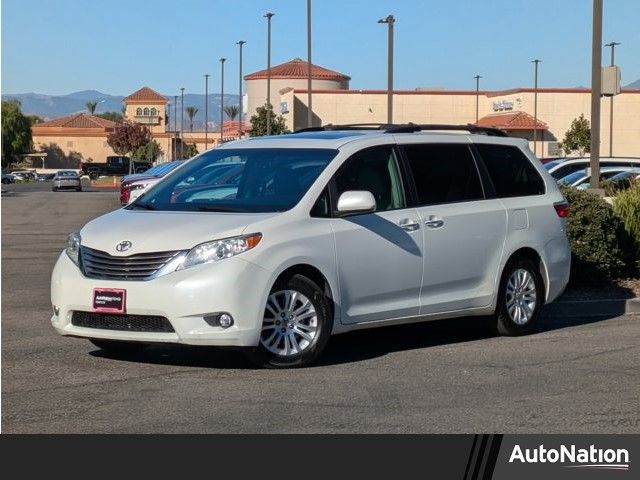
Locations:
{"points": [[409, 225], [434, 222]]}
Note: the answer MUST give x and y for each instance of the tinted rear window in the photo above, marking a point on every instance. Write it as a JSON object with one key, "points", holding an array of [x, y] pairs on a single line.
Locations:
{"points": [[443, 173], [510, 171]]}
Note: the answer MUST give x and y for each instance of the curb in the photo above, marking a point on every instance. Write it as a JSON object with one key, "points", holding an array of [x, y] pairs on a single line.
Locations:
{"points": [[593, 308]]}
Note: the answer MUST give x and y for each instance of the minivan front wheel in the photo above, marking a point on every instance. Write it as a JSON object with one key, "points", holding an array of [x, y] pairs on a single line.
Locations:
{"points": [[295, 325], [521, 297]]}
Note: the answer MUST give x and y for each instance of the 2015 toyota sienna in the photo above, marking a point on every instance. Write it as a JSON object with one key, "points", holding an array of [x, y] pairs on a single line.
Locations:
{"points": [[321, 232]]}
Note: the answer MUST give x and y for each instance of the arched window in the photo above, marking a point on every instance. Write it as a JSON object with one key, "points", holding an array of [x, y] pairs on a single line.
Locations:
{"points": [[154, 112], [146, 112], [138, 111]]}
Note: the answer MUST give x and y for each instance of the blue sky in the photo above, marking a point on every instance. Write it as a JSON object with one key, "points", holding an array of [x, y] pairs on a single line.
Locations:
{"points": [[116, 46]]}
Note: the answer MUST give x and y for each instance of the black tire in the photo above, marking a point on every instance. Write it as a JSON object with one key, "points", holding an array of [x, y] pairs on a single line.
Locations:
{"points": [[116, 346], [262, 357], [93, 175], [79, 189], [54, 189], [505, 324]]}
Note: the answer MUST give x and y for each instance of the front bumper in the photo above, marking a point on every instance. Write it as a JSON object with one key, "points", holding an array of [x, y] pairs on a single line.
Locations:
{"points": [[184, 297]]}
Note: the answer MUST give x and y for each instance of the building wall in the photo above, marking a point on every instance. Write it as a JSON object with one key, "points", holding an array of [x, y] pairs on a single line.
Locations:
{"points": [[156, 125], [64, 151], [257, 91], [556, 107]]}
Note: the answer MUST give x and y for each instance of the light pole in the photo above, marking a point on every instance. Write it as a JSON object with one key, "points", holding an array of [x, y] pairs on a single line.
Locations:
{"points": [[477, 77], [168, 127], [240, 44], [389, 20], [222, 60], [175, 126], [309, 100], [596, 91], [181, 122], [268, 16], [206, 111], [535, 106], [613, 56]]}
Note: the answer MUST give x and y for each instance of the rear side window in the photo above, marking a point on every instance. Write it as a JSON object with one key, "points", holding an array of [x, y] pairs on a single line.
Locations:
{"points": [[443, 173], [510, 171]]}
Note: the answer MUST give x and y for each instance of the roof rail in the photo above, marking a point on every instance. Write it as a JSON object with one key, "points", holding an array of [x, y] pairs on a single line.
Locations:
{"points": [[348, 126], [469, 127], [408, 128]]}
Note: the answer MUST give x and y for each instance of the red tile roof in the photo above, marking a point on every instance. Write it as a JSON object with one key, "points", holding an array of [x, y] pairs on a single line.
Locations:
{"points": [[297, 68], [145, 94], [232, 128], [78, 120], [512, 121]]}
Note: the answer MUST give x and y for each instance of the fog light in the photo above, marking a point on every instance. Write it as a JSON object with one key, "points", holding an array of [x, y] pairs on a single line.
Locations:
{"points": [[225, 320]]}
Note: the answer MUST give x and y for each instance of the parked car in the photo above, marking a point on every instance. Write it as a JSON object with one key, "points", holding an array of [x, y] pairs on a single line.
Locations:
{"points": [[132, 186], [325, 232], [582, 178], [8, 178], [45, 177], [24, 175], [66, 180], [624, 180], [114, 165], [564, 168]]}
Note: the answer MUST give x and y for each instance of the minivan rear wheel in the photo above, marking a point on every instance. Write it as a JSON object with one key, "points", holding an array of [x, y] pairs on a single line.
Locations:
{"points": [[520, 299], [296, 325]]}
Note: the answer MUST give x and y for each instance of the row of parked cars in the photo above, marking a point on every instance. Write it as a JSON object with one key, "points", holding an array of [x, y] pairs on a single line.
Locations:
{"points": [[619, 172]]}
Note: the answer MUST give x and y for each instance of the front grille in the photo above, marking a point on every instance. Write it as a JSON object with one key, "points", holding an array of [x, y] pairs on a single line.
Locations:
{"points": [[128, 323], [142, 266]]}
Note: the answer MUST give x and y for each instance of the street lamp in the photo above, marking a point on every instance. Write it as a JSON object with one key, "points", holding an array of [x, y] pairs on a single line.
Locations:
{"points": [[477, 77], [596, 91], [175, 126], [389, 20], [613, 53], [222, 60], [240, 44], [535, 106], [181, 122], [309, 106], [168, 127], [206, 111], [268, 16]]}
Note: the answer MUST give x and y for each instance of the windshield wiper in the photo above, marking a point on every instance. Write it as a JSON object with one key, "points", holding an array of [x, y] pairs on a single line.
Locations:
{"points": [[144, 206], [206, 208]]}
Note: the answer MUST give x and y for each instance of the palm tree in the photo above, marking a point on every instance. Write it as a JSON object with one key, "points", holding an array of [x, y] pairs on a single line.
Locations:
{"points": [[232, 111], [191, 112], [91, 106]]}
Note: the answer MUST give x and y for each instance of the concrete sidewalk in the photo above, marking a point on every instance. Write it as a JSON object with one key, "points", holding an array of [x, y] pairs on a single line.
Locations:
{"points": [[593, 308]]}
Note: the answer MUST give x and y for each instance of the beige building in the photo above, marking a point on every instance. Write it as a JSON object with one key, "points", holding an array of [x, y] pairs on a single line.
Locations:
{"points": [[511, 110], [293, 74]]}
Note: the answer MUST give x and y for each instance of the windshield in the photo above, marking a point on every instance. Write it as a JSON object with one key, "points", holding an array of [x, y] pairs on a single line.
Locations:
{"points": [[67, 174], [163, 168], [572, 178], [239, 180], [552, 163]]}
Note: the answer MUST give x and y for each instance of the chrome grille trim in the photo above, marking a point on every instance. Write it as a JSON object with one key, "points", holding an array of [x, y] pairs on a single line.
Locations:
{"points": [[138, 267]]}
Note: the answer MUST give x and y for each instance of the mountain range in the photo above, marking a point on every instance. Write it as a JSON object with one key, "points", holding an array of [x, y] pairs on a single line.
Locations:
{"points": [[53, 106]]}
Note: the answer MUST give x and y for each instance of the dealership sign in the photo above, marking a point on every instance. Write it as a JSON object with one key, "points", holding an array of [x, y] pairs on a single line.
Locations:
{"points": [[572, 457], [502, 105]]}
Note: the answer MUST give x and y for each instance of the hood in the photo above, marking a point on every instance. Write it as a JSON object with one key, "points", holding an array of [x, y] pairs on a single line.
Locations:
{"points": [[158, 231]]}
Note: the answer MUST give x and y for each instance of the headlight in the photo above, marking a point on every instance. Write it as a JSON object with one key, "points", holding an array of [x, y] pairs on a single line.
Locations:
{"points": [[220, 249], [73, 246]]}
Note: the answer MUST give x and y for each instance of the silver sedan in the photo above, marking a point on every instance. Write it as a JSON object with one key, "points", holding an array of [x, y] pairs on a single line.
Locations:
{"points": [[66, 179]]}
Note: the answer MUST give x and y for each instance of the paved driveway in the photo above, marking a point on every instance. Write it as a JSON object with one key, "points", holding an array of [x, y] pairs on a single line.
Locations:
{"points": [[575, 375]]}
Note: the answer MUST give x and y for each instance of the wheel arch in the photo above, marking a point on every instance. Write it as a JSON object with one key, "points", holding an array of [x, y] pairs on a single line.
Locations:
{"points": [[533, 255]]}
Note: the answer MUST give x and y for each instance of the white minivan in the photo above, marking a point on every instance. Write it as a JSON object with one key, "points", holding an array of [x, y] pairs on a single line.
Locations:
{"points": [[325, 231]]}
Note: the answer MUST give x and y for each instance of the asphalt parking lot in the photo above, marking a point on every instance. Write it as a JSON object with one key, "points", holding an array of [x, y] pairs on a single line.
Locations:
{"points": [[575, 375]]}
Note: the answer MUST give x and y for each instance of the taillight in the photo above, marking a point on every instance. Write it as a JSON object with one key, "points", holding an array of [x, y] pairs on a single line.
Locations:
{"points": [[562, 209], [124, 195]]}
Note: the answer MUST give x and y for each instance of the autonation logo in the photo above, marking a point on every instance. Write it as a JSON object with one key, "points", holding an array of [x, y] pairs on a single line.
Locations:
{"points": [[573, 457]]}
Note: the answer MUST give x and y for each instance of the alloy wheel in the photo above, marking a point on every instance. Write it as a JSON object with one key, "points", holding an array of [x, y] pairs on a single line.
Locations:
{"points": [[521, 296]]}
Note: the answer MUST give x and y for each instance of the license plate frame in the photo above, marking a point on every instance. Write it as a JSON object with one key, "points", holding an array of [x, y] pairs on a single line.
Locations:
{"points": [[109, 300]]}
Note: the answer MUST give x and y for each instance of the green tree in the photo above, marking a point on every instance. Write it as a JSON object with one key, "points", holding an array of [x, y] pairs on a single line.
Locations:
{"points": [[91, 107], [16, 132], [232, 111], [259, 122], [149, 152], [34, 119], [578, 137], [128, 137], [113, 116], [190, 150], [191, 112]]}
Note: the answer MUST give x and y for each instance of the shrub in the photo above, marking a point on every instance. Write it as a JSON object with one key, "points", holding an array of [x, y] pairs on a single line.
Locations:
{"points": [[626, 204], [600, 246]]}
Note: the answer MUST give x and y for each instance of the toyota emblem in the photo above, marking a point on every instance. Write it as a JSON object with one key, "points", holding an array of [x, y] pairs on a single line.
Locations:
{"points": [[123, 246]]}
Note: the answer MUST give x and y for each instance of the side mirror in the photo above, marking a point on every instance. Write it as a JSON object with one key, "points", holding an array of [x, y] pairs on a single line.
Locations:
{"points": [[356, 201]]}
